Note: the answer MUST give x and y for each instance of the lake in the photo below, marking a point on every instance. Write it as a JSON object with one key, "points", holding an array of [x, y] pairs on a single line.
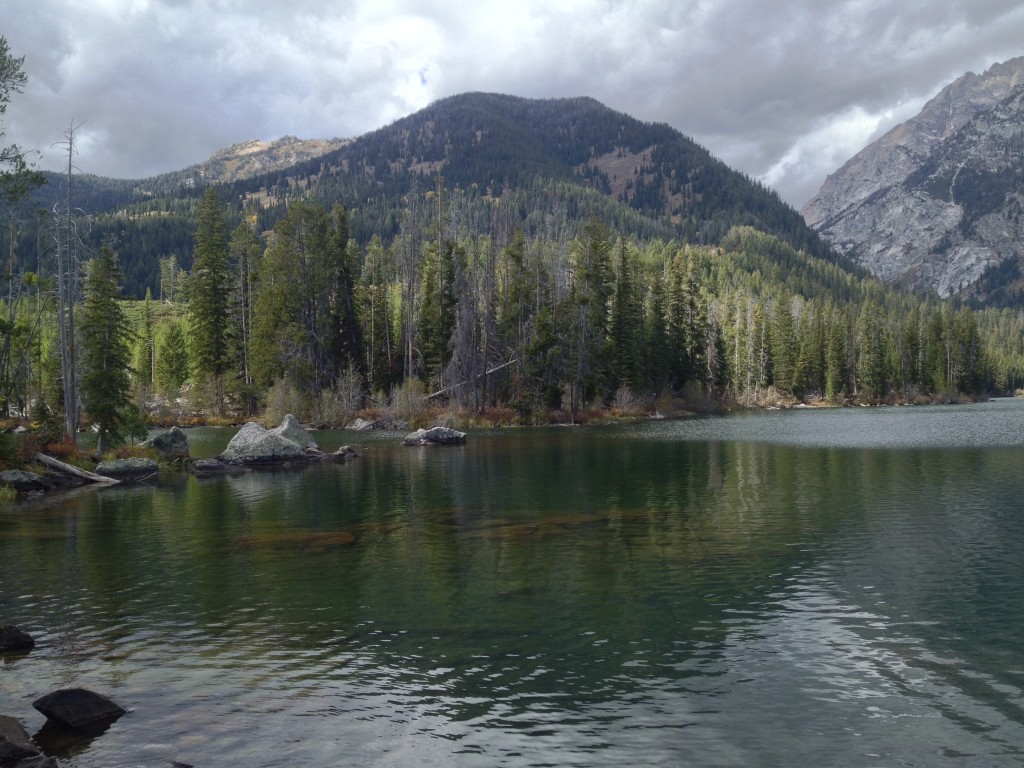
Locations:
{"points": [[804, 587]]}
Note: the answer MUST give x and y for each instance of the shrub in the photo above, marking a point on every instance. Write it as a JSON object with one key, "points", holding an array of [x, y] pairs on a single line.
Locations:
{"points": [[284, 398]]}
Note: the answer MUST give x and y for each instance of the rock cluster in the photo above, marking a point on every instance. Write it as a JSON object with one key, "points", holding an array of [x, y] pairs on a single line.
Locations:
{"points": [[74, 712]]}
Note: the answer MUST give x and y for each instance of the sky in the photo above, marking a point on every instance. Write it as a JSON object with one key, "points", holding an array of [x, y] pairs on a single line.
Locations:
{"points": [[784, 90]]}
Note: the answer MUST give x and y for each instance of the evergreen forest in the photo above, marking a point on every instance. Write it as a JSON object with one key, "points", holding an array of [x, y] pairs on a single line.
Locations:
{"points": [[490, 258]]}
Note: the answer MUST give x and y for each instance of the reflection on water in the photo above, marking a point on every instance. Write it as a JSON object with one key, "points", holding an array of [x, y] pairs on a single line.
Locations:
{"points": [[737, 591]]}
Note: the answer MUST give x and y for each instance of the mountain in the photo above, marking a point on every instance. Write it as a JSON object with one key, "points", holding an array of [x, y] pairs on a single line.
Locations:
{"points": [[935, 204], [546, 160]]}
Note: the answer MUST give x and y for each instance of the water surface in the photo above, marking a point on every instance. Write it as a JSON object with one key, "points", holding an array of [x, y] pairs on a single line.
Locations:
{"points": [[771, 589]]}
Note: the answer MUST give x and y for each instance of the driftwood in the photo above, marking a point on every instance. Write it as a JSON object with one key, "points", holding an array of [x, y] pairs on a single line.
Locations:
{"points": [[69, 469], [479, 376]]}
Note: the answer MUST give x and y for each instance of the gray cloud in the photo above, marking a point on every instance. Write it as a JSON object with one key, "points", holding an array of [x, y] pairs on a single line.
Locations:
{"points": [[784, 92]]}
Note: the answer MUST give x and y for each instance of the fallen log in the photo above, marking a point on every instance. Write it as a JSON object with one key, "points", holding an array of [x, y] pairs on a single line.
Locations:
{"points": [[479, 376], [69, 469]]}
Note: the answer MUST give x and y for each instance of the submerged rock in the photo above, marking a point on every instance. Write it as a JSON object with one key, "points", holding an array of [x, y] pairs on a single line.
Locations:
{"points": [[211, 467], [435, 436], [15, 744], [171, 445], [128, 469], [15, 639], [78, 708]]}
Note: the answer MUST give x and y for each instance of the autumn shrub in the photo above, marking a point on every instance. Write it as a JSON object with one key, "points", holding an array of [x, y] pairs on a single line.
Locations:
{"points": [[336, 405], [408, 401], [28, 446], [284, 398], [8, 451]]}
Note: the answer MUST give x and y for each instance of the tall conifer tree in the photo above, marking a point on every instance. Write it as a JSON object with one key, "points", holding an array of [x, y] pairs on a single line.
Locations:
{"points": [[106, 352], [209, 291]]}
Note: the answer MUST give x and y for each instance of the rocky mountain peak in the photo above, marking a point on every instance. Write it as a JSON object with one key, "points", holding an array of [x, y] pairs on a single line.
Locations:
{"points": [[918, 205]]}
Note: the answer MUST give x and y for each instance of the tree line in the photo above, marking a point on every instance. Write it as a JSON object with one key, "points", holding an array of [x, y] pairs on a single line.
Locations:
{"points": [[551, 327]]}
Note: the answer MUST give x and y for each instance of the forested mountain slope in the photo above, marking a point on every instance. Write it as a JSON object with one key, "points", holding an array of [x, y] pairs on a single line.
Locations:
{"points": [[557, 159]]}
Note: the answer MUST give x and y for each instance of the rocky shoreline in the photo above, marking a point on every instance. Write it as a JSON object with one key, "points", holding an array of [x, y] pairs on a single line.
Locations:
{"points": [[253, 447]]}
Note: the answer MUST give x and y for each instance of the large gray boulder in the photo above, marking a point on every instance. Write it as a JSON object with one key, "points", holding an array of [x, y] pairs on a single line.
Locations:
{"points": [[15, 639], [128, 469], [255, 444], [435, 436], [15, 743], [171, 445], [78, 708]]}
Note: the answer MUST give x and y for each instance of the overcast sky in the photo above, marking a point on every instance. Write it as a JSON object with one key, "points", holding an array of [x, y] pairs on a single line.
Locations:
{"points": [[783, 90]]}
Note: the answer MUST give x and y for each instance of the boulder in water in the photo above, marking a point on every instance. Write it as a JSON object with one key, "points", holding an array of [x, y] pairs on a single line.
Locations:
{"points": [[15, 744], [435, 436], [171, 445], [15, 639], [128, 469], [78, 708]]}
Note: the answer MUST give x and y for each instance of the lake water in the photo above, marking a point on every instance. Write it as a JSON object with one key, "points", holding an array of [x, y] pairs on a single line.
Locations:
{"points": [[814, 588]]}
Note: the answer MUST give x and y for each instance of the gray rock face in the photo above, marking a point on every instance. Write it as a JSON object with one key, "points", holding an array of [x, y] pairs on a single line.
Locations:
{"points": [[435, 436], [171, 445], [78, 708], [934, 202], [15, 743], [15, 639], [128, 469]]}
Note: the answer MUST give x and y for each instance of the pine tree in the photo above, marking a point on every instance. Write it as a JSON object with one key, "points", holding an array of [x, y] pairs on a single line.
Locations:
{"points": [[106, 352], [172, 359], [246, 251], [209, 292], [625, 330], [377, 315]]}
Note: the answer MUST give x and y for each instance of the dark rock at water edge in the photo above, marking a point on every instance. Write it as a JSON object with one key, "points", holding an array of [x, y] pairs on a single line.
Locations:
{"points": [[435, 436], [15, 743], [13, 638], [128, 469], [170, 446], [78, 708], [25, 482]]}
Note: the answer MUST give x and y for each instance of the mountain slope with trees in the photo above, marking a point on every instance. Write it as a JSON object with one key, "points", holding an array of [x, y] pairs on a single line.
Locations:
{"points": [[500, 258]]}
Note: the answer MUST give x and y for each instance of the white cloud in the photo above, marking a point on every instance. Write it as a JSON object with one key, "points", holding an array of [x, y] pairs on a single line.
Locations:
{"points": [[785, 92]]}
